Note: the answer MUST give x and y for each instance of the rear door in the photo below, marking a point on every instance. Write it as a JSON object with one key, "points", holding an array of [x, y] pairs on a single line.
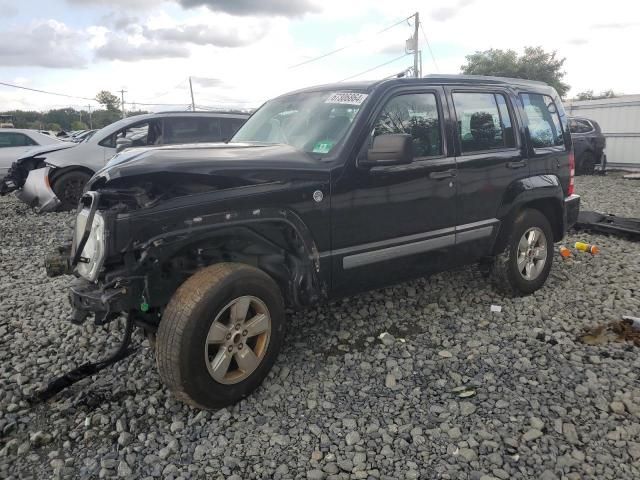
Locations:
{"points": [[489, 156]]}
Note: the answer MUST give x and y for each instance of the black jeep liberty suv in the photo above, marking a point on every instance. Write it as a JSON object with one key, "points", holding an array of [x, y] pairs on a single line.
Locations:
{"points": [[323, 192]]}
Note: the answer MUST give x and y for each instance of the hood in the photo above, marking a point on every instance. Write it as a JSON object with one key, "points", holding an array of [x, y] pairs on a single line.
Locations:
{"points": [[174, 171], [86, 154], [42, 149]]}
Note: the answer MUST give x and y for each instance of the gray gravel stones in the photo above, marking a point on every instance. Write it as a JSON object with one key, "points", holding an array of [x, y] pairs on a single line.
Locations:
{"points": [[544, 405]]}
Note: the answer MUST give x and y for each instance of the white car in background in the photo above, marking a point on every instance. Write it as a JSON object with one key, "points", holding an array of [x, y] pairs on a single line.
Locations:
{"points": [[51, 180], [16, 142]]}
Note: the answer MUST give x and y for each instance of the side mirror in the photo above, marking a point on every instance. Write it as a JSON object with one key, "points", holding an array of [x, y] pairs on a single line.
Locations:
{"points": [[123, 143], [389, 149]]}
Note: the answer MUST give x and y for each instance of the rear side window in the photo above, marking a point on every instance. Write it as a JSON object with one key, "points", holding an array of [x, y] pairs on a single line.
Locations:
{"points": [[543, 118], [579, 126], [484, 121], [417, 115], [10, 139]]}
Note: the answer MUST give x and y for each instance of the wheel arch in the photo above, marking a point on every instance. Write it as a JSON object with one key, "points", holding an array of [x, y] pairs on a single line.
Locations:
{"points": [[543, 193], [58, 172], [275, 241]]}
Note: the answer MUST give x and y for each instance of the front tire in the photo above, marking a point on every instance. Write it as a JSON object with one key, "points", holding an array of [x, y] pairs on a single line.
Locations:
{"points": [[68, 187], [220, 335], [525, 264]]}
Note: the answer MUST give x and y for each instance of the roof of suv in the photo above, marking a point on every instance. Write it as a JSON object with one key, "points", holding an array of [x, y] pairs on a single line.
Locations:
{"points": [[434, 79]]}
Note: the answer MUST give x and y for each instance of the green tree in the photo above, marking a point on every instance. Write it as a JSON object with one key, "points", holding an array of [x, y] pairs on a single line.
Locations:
{"points": [[533, 64], [78, 125], [109, 100]]}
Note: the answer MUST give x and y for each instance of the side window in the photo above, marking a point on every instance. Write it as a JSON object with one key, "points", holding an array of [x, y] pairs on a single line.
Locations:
{"points": [[141, 134], [5, 140], [545, 128], [579, 126], [11, 139], [185, 130], [417, 115], [484, 121]]}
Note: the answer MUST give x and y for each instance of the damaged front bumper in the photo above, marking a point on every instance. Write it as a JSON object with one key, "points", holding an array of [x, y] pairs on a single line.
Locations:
{"points": [[37, 192], [106, 302]]}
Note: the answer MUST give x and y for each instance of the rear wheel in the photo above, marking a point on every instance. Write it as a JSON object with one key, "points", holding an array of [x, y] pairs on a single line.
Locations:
{"points": [[525, 264], [587, 164], [68, 187], [220, 335]]}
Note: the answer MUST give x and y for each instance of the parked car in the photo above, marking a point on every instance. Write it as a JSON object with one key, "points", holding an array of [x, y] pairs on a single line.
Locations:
{"points": [[322, 193], [15, 142], [588, 145], [55, 180]]}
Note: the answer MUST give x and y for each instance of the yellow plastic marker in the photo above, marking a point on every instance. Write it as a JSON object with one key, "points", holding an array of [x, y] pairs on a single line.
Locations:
{"points": [[585, 247]]}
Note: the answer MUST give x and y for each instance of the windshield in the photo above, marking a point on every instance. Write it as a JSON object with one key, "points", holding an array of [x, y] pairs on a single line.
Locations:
{"points": [[312, 121]]}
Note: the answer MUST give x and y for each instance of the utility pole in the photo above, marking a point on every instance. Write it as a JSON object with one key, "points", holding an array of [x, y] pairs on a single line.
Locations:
{"points": [[122, 92], [90, 119], [416, 71], [193, 102]]}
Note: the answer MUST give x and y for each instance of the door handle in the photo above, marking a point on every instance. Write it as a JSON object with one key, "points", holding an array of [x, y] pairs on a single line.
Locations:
{"points": [[518, 164], [442, 174]]}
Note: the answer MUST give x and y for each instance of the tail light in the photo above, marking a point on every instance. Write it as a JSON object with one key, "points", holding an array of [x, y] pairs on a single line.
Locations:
{"points": [[572, 172]]}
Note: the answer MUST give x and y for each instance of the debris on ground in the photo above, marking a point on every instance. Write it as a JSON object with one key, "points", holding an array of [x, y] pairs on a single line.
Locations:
{"points": [[625, 227], [496, 308], [586, 247], [564, 252], [618, 331], [464, 391]]}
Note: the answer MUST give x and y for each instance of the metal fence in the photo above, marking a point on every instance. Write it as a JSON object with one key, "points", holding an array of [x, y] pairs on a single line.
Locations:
{"points": [[619, 119]]}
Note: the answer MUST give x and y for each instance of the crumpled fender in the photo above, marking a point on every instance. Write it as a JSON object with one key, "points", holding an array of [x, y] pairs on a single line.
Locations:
{"points": [[37, 191]]}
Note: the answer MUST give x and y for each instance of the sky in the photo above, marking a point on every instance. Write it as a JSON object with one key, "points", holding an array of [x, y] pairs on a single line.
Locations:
{"points": [[240, 53]]}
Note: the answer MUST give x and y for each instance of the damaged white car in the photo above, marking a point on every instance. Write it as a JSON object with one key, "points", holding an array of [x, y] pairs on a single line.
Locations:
{"points": [[50, 179]]}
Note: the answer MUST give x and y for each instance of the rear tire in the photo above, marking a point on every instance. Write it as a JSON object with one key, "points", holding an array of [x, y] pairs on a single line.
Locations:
{"points": [[220, 335], [68, 187], [525, 264], [586, 164]]}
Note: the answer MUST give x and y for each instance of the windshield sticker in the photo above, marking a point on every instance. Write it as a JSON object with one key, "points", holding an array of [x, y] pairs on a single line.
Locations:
{"points": [[347, 98], [323, 147]]}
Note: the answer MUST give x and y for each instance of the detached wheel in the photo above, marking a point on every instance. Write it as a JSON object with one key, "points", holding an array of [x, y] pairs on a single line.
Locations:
{"points": [[220, 335], [68, 187], [587, 164], [525, 264]]}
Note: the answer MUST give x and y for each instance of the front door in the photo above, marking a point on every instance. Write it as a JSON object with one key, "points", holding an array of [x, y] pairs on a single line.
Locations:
{"points": [[396, 222]]}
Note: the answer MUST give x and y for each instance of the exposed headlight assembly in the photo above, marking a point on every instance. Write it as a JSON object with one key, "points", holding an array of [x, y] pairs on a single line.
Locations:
{"points": [[89, 243], [93, 253]]}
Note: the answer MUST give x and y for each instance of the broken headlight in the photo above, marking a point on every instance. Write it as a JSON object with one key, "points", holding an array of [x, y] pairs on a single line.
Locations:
{"points": [[93, 253]]}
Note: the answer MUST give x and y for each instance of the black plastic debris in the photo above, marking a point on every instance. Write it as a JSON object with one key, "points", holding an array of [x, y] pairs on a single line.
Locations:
{"points": [[608, 223]]}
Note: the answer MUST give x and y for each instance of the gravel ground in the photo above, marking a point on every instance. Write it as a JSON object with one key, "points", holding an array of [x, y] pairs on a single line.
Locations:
{"points": [[341, 403]]}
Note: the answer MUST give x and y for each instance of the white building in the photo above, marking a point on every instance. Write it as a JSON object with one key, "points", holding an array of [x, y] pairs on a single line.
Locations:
{"points": [[619, 119]]}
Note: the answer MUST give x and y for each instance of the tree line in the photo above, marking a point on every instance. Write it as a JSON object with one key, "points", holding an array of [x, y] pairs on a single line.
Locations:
{"points": [[71, 118]]}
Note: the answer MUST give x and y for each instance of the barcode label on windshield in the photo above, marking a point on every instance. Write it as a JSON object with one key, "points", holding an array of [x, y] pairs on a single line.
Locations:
{"points": [[347, 98]]}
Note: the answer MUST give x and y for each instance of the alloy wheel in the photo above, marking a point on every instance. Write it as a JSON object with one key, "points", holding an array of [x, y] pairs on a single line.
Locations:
{"points": [[237, 340], [532, 253]]}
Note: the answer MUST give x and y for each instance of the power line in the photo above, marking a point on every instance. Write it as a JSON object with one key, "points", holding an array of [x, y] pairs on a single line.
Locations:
{"points": [[429, 47], [324, 55], [44, 91], [375, 68]]}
